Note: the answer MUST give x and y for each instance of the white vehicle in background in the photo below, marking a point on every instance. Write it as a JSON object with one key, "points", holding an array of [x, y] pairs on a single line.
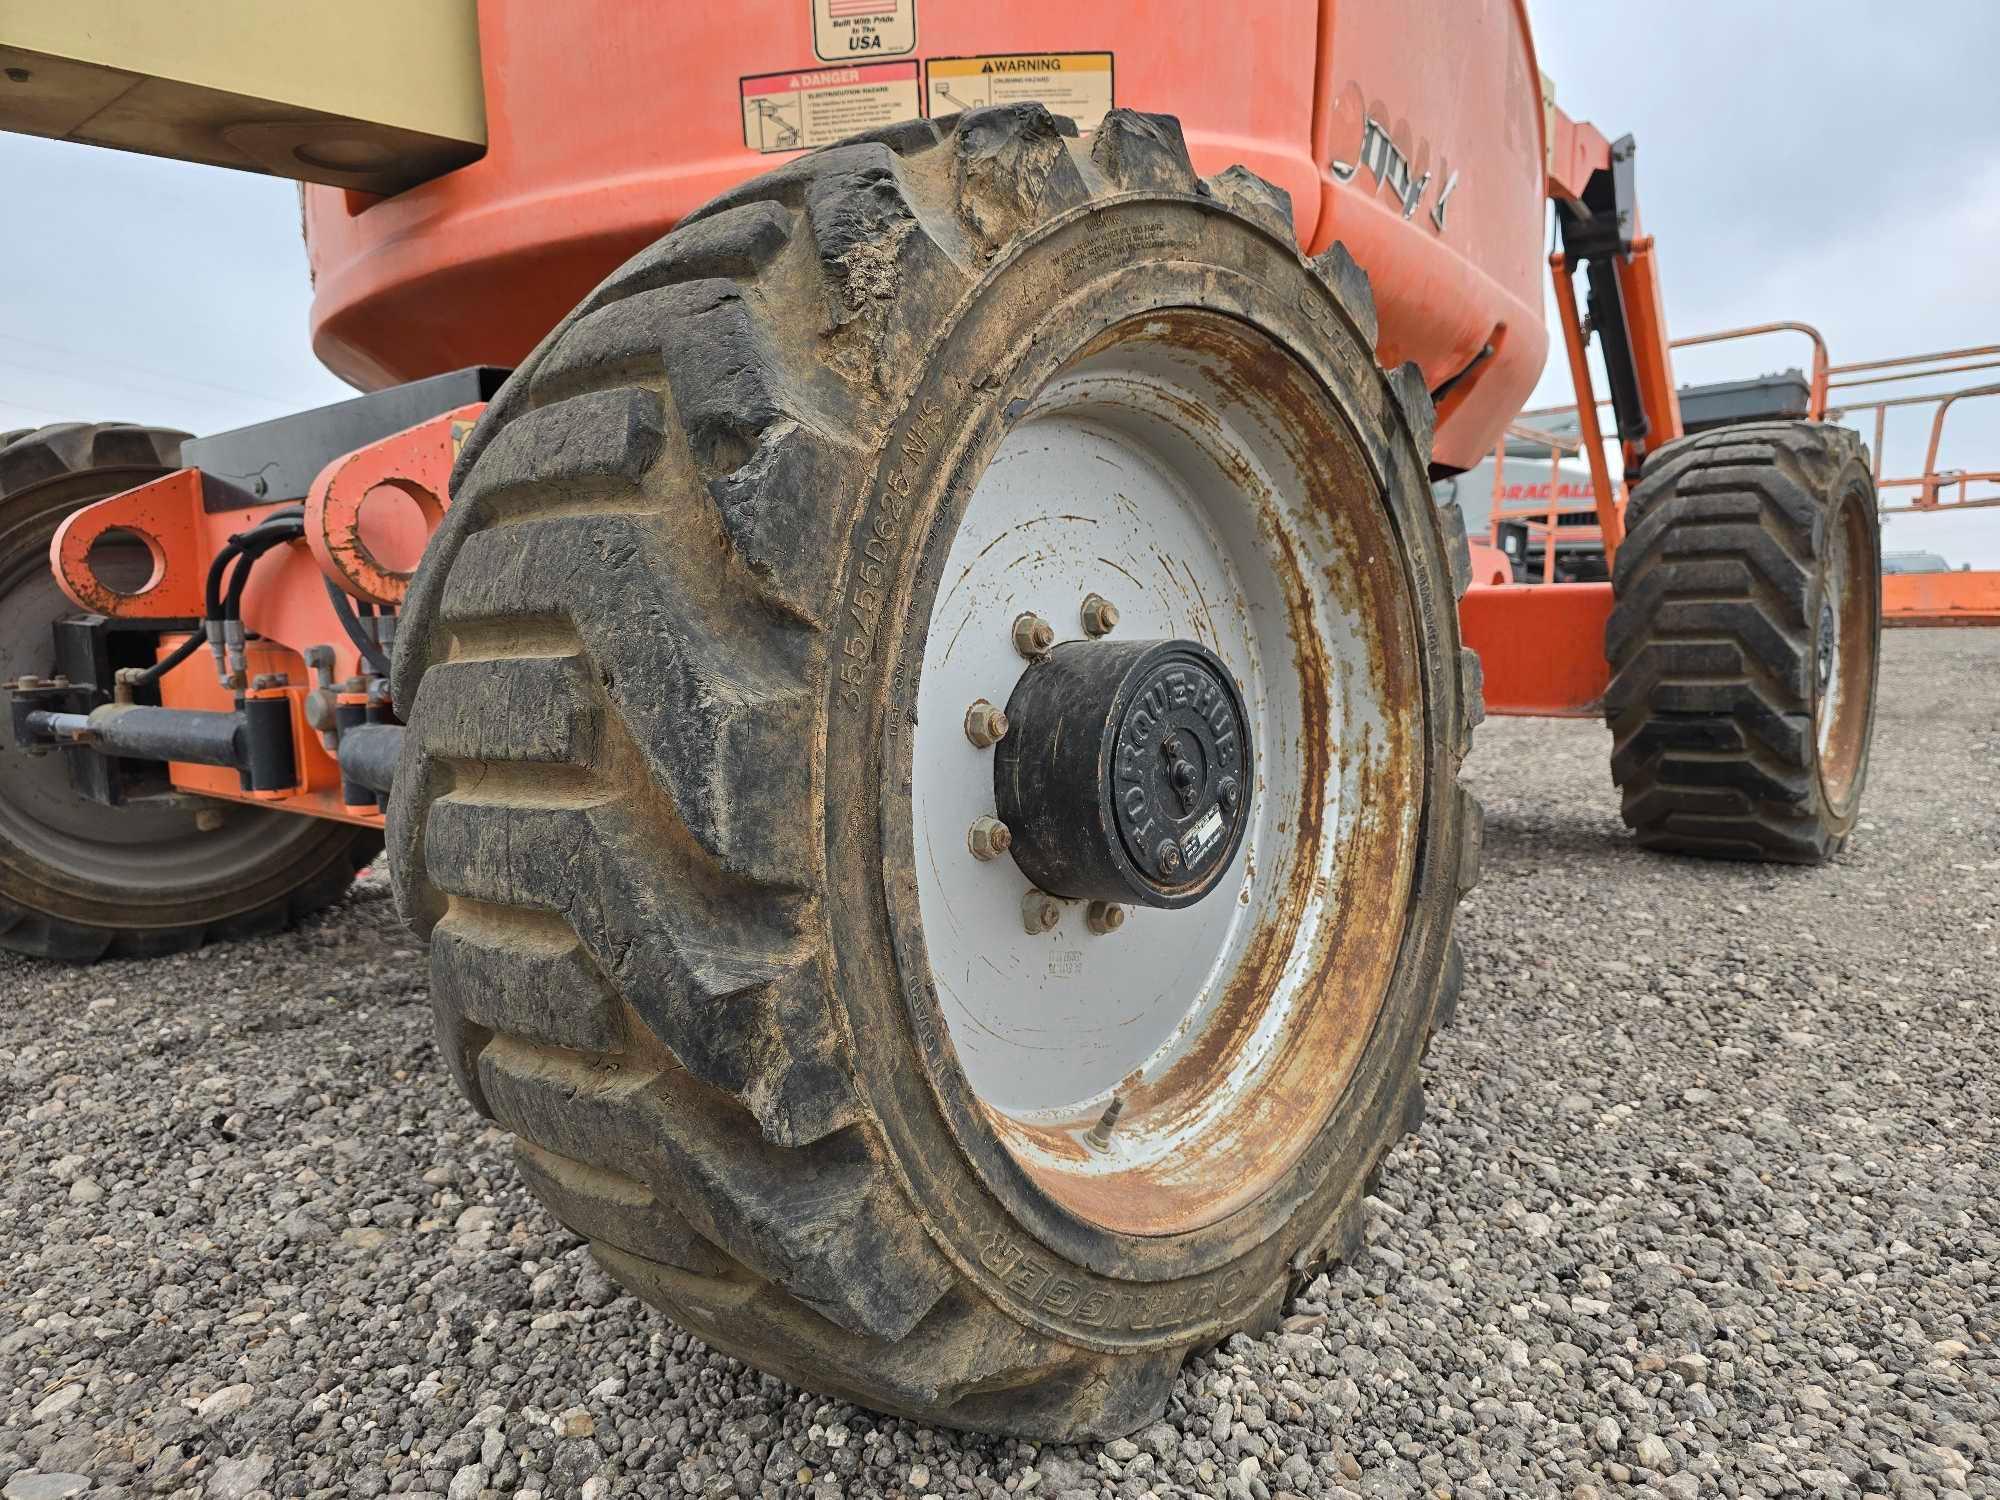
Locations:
{"points": [[1919, 562]]}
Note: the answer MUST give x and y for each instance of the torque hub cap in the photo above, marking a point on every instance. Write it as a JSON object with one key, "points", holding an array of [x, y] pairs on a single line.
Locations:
{"points": [[1125, 775]]}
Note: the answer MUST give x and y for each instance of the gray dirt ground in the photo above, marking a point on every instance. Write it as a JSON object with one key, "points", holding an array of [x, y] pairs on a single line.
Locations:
{"points": [[1708, 1201]]}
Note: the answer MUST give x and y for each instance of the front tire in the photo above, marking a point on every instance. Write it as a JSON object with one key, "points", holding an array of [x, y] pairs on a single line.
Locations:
{"points": [[668, 797]]}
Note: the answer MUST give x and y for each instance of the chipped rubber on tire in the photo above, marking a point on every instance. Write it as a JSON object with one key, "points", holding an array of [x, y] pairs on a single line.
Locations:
{"points": [[1711, 641], [632, 809], [50, 911]]}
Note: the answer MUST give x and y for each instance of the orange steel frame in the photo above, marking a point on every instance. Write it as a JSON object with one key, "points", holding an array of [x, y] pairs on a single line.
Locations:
{"points": [[1541, 646], [378, 502]]}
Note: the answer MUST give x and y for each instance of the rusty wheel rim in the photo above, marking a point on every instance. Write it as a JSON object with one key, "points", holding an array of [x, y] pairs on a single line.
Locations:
{"points": [[1154, 1078], [1843, 659]]}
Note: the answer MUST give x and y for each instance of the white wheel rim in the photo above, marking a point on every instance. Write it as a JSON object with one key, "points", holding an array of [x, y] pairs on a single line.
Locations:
{"points": [[1843, 648], [1144, 474]]}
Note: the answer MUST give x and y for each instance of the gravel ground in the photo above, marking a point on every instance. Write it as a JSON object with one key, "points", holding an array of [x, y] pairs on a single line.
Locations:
{"points": [[1706, 1204]]}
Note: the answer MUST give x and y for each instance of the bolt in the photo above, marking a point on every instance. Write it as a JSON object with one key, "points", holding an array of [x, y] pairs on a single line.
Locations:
{"points": [[1039, 911], [1227, 793], [989, 838], [1100, 615], [1168, 856], [1099, 1135], [264, 681], [984, 724], [27, 683], [1104, 916], [208, 819], [1033, 635]]}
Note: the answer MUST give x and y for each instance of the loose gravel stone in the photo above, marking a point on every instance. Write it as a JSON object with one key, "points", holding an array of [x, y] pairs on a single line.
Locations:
{"points": [[1706, 1202], [30, 1485]]}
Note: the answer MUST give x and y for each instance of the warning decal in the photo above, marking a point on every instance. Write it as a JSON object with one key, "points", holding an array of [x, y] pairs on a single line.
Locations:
{"points": [[796, 111], [1077, 84], [856, 30]]}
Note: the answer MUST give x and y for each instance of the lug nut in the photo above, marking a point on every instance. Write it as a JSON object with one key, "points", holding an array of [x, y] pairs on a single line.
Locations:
{"points": [[989, 838], [1100, 615], [1039, 911], [1169, 855], [1104, 916], [1033, 635], [984, 724]]}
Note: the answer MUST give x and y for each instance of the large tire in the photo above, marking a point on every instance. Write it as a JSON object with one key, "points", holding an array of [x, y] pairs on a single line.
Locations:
{"points": [[82, 881], [657, 667], [1744, 641]]}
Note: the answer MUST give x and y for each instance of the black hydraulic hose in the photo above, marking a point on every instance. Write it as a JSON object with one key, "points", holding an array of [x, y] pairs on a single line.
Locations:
{"points": [[254, 544], [290, 519], [172, 659], [349, 622], [212, 594]]}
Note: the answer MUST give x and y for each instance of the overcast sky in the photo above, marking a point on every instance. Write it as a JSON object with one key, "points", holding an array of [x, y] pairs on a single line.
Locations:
{"points": [[1830, 162]]}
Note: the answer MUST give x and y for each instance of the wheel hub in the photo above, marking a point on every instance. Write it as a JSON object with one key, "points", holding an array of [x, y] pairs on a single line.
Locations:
{"points": [[1125, 773]]}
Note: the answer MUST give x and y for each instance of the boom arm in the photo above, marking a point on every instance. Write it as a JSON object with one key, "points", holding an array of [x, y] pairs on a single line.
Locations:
{"points": [[1591, 182]]}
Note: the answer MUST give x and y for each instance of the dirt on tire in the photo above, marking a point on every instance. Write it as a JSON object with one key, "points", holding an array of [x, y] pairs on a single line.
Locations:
{"points": [[648, 667]]}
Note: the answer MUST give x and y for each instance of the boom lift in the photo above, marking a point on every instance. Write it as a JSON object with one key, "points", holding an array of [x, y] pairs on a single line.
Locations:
{"points": [[925, 740]]}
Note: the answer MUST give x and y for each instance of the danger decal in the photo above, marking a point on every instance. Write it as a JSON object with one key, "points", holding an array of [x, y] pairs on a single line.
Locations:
{"points": [[817, 106]]}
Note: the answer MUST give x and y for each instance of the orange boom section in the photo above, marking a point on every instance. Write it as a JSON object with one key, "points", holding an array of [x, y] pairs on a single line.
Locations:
{"points": [[608, 122]]}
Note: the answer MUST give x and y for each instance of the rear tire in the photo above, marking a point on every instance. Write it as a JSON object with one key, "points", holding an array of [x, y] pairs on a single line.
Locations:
{"points": [[1744, 642], [655, 810], [81, 881]]}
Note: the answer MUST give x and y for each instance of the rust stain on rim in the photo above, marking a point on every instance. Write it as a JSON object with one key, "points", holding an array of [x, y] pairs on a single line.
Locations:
{"points": [[1227, 1163]]}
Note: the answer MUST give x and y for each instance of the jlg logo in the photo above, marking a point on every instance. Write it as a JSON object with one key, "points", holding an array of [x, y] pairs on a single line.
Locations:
{"points": [[1390, 163]]}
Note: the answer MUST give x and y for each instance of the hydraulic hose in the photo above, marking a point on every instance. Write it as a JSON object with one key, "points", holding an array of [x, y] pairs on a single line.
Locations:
{"points": [[289, 522], [351, 623]]}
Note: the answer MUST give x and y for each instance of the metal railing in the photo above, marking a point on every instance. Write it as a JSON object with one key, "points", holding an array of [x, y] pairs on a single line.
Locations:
{"points": [[1529, 510], [1825, 378], [1932, 481]]}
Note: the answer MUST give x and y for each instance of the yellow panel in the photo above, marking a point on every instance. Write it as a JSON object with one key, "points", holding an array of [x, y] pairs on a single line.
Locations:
{"points": [[374, 94]]}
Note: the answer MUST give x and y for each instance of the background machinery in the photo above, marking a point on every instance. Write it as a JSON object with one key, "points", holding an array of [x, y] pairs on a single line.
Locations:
{"points": [[925, 737]]}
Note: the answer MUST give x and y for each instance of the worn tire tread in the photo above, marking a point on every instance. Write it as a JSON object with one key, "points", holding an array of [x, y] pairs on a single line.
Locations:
{"points": [[1711, 641], [690, 1114]]}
